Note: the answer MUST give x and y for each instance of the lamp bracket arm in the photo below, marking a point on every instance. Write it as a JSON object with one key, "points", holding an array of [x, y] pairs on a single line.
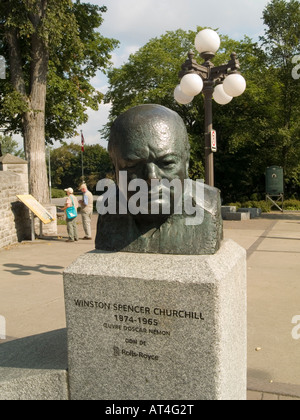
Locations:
{"points": [[191, 66], [220, 72], [207, 71]]}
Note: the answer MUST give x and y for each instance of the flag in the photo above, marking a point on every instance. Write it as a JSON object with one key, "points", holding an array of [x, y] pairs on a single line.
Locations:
{"points": [[82, 142]]}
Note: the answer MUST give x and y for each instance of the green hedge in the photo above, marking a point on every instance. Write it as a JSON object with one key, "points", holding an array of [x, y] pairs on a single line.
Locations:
{"points": [[291, 204], [263, 205], [266, 206], [56, 193]]}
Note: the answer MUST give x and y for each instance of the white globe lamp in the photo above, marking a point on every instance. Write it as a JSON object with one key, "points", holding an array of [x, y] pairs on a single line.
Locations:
{"points": [[207, 40], [191, 84], [234, 85], [181, 97], [220, 96]]}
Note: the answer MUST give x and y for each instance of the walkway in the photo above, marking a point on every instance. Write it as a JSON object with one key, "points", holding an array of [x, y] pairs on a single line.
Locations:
{"points": [[31, 296]]}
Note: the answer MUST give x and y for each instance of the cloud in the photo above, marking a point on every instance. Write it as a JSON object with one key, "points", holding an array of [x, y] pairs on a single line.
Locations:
{"points": [[97, 119], [138, 21], [119, 57], [135, 22]]}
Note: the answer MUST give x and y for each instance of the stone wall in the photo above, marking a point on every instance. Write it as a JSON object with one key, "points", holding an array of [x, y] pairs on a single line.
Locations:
{"points": [[17, 165], [14, 216]]}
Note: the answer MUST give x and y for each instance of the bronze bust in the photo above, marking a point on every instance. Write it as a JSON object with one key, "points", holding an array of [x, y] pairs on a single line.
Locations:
{"points": [[149, 148]]}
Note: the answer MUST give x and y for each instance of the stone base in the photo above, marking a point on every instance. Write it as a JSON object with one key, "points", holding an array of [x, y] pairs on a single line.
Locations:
{"points": [[34, 368], [236, 216], [157, 327], [49, 229], [227, 209], [254, 212]]}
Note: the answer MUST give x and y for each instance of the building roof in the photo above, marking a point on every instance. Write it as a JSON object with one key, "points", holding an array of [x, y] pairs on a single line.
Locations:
{"points": [[8, 158]]}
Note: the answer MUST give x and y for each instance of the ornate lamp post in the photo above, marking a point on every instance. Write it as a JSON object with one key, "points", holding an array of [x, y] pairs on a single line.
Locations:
{"points": [[221, 83]]}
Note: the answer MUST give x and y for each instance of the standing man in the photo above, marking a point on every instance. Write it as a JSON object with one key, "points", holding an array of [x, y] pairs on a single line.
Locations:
{"points": [[86, 210]]}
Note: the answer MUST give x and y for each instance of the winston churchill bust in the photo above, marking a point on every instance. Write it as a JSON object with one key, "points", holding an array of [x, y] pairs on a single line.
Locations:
{"points": [[154, 207]]}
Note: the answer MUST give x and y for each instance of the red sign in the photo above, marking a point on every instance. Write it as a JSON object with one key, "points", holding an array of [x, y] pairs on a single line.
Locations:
{"points": [[213, 137]]}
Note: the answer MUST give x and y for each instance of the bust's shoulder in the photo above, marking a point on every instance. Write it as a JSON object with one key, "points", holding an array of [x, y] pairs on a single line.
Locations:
{"points": [[205, 196]]}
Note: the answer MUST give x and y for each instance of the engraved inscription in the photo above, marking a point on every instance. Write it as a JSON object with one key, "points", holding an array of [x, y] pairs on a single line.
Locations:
{"points": [[133, 319], [127, 313]]}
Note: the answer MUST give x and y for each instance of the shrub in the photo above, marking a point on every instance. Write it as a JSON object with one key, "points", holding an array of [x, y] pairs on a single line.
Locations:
{"points": [[237, 205], [291, 204], [263, 205], [56, 193]]}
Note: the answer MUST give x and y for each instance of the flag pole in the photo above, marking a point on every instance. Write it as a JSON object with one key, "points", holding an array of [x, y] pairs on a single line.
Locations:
{"points": [[82, 150]]}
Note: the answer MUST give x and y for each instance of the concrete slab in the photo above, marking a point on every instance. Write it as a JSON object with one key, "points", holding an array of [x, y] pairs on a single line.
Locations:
{"points": [[236, 216], [273, 298], [31, 293], [254, 212], [34, 368], [31, 288], [202, 354], [227, 209]]}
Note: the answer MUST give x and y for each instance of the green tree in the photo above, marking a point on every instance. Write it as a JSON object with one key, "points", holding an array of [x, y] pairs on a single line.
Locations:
{"points": [[66, 166], [256, 130], [8, 145], [52, 49], [151, 74], [281, 44], [267, 115]]}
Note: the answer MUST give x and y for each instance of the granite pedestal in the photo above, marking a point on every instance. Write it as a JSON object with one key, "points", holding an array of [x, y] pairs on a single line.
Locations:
{"points": [[34, 368], [157, 327]]}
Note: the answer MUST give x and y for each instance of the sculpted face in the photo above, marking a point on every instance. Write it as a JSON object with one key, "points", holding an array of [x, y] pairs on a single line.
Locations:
{"points": [[150, 142], [150, 150]]}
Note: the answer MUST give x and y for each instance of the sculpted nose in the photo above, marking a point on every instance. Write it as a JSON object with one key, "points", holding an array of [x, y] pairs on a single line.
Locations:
{"points": [[152, 172]]}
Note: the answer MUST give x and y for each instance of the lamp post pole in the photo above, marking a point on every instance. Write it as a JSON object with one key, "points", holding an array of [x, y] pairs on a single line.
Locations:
{"points": [[229, 83], [209, 156]]}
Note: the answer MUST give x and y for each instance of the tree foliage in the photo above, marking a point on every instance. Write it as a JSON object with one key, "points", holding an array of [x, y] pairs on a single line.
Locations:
{"points": [[256, 130], [8, 145], [76, 51], [281, 43], [52, 50], [66, 163]]}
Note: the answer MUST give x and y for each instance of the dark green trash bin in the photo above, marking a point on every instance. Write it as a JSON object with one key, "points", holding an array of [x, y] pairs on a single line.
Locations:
{"points": [[274, 180]]}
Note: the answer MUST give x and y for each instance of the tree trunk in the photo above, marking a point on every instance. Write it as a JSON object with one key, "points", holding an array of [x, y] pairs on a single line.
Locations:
{"points": [[34, 120], [35, 99], [34, 138]]}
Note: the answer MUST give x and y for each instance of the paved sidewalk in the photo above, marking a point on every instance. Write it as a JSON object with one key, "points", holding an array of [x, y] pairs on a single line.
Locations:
{"points": [[273, 250], [31, 287], [31, 295]]}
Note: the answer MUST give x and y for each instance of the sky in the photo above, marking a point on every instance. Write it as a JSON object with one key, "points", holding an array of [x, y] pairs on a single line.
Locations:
{"points": [[135, 22]]}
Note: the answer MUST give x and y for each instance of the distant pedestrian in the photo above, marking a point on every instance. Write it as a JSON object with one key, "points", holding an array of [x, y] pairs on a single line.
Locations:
{"points": [[86, 210], [70, 208]]}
